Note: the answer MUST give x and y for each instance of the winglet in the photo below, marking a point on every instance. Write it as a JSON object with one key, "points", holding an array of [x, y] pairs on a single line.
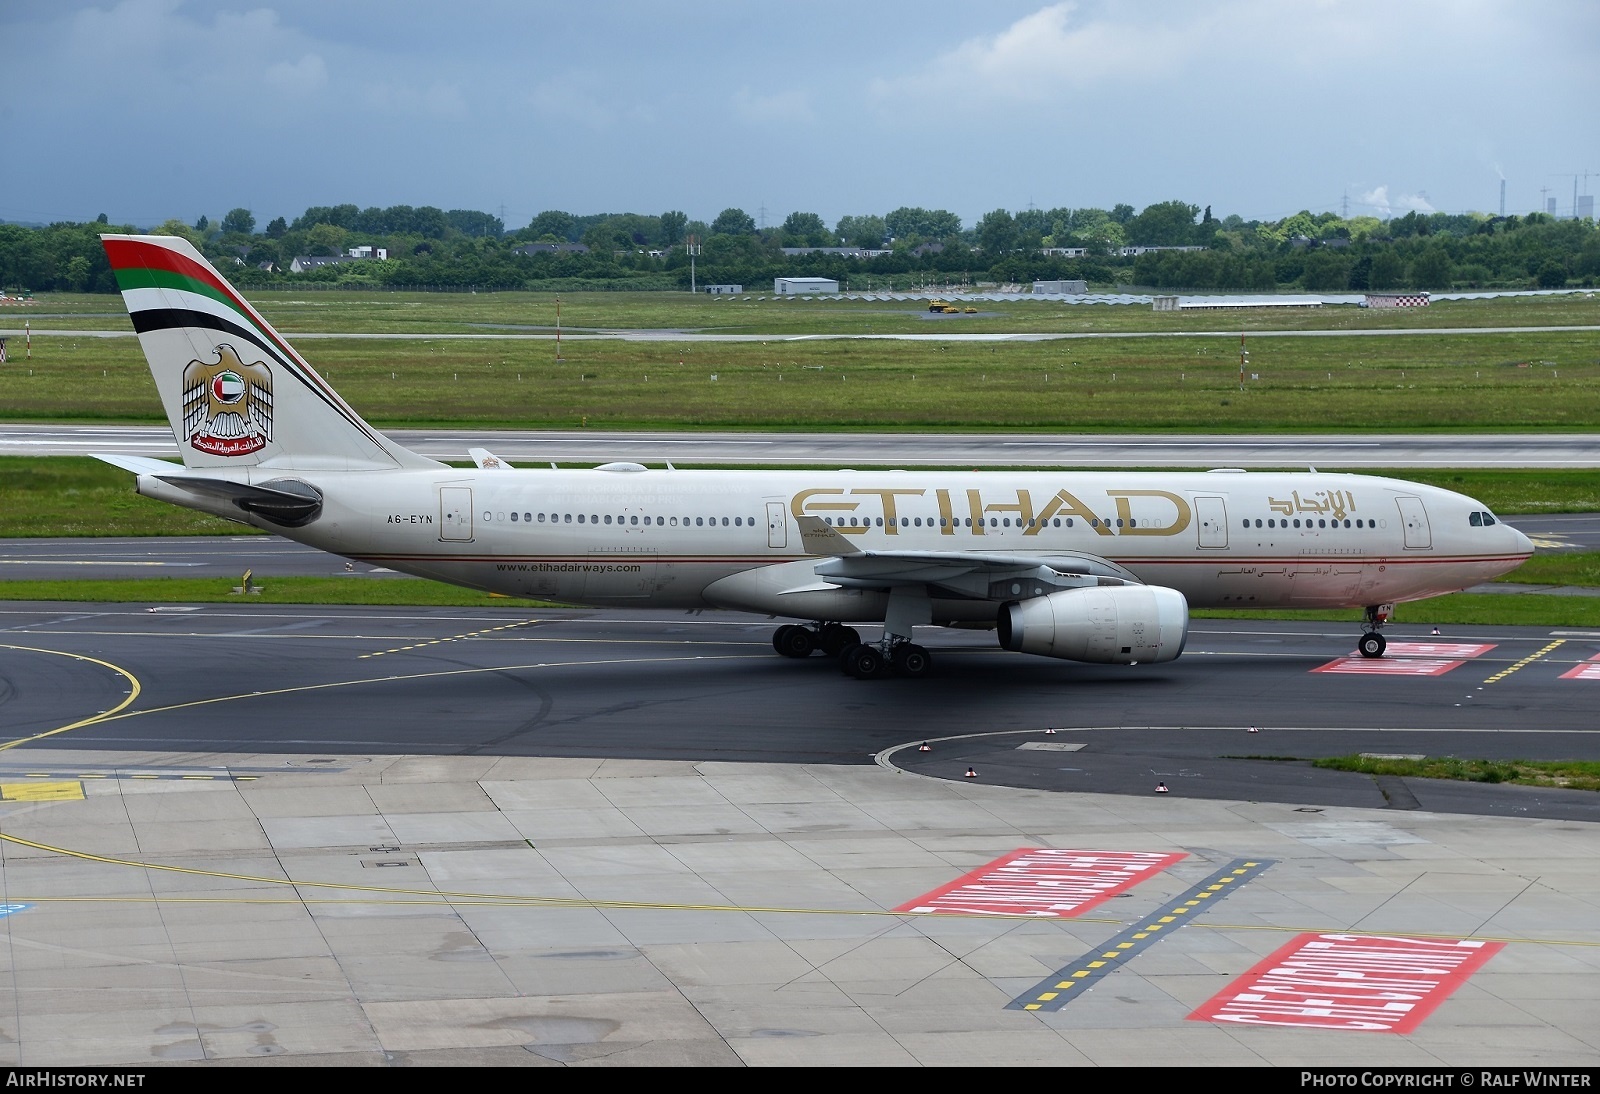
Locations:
{"points": [[487, 461], [821, 538]]}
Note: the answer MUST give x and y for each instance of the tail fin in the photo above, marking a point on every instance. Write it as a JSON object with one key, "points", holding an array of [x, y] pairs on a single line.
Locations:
{"points": [[236, 393]]}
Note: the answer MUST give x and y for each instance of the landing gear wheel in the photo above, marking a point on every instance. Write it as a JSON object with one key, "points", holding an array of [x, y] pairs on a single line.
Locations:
{"points": [[911, 661], [835, 638], [864, 662], [793, 641], [1372, 644]]}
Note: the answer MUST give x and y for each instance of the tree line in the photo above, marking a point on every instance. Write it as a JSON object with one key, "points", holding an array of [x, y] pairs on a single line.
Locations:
{"points": [[429, 247]]}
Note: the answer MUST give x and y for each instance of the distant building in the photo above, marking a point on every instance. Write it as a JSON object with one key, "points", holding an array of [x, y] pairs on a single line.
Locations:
{"points": [[932, 247], [550, 249], [304, 263], [1164, 303], [1065, 252], [368, 251], [1061, 288], [842, 252], [1140, 249], [724, 290], [1585, 206], [797, 286]]}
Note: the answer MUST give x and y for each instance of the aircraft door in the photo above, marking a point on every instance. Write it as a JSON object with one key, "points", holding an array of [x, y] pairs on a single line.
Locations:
{"points": [[1415, 519], [777, 525], [455, 514], [1211, 514]]}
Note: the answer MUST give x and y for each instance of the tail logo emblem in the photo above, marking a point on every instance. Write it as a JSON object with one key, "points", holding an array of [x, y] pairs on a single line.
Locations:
{"points": [[227, 405]]}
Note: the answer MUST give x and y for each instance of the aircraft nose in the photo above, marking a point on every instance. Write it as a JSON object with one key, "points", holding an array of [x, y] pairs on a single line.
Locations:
{"points": [[1521, 544]]}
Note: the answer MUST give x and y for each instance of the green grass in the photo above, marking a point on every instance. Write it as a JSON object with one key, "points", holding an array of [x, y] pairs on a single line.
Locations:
{"points": [[1455, 609], [274, 590], [1499, 382], [311, 310], [79, 496], [1566, 774]]}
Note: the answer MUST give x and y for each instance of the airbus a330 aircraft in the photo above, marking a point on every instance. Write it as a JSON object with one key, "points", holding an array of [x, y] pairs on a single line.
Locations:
{"points": [[1095, 567]]}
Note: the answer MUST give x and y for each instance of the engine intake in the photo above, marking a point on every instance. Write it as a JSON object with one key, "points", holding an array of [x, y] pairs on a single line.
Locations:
{"points": [[1118, 625]]}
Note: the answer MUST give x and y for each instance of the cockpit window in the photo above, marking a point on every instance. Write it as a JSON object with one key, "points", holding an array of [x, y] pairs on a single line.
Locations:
{"points": [[1476, 520]]}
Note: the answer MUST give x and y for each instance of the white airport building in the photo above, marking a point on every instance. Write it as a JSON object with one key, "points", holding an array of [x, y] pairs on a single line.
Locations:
{"points": [[797, 286]]}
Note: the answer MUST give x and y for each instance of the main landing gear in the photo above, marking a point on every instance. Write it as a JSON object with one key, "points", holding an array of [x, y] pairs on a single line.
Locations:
{"points": [[1372, 643], [832, 639], [863, 660]]}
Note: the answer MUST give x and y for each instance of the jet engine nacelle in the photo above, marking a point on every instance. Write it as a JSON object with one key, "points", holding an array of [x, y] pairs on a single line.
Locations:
{"points": [[1110, 625]]}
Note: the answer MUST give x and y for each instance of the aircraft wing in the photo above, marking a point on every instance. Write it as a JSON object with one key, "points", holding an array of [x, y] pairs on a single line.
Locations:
{"points": [[978, 576], [486, 460]]}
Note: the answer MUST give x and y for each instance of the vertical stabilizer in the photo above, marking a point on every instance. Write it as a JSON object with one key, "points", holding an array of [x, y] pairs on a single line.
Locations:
{"points": [[237, 394]]}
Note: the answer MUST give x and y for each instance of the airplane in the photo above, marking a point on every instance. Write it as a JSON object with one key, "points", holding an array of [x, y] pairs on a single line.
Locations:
{"points": [[1093, 567]]}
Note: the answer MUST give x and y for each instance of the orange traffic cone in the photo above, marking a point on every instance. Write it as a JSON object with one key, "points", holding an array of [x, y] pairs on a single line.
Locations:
{"points": [[1050, 730], [924, 747], [1161, 788], [1253, 729], [971, 774]]}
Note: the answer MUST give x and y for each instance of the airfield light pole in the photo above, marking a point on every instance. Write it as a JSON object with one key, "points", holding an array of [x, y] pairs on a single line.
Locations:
{"points": [[1244, 359], [558, 330], [693, 248]]}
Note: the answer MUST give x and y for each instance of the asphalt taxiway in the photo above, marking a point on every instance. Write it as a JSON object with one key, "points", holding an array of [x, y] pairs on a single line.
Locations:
{"points": [[248, 833]]}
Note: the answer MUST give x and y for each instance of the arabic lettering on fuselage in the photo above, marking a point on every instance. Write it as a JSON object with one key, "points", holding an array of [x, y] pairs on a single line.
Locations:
{"points": [[1334, 503]]}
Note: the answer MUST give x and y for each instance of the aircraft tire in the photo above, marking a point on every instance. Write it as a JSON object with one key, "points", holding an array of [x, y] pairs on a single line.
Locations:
{"points": [[864, 662], [793, 641], [836, 638], [912, 661], [1372, 644]]}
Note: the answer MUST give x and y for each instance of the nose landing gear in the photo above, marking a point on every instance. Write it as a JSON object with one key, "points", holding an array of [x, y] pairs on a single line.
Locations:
{"points": [[1372, 643]]}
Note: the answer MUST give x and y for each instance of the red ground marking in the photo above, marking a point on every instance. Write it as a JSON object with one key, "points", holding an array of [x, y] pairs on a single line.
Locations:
{"points": [[1438, 649], [1409, 659], [1045, 882], [1356, 665], [1343, 981], [1589, 670]]}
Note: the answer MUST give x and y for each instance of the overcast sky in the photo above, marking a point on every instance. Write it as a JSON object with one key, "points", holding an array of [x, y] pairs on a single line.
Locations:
{"points": [[149, 109]]}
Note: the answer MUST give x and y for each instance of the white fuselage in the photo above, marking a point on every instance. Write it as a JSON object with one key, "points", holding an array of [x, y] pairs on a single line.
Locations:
{"points": [[662, 538]]}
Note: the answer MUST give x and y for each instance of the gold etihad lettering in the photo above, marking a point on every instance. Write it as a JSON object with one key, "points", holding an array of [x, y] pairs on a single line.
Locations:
{"points": [[1030, 518]]}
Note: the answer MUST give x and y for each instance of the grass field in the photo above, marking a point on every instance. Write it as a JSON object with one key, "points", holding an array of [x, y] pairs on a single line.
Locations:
{"points": [[295, 311], [1532, 381]]}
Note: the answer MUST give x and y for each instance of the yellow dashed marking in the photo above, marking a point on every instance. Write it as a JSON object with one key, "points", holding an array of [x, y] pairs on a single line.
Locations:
{"points": [[452, 638], [1526, 661]]}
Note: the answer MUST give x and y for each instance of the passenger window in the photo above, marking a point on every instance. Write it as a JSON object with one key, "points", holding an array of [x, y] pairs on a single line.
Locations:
{"points": [[724, 522], [567, 519], [514, 516], [1297, 522], [580, 518]]}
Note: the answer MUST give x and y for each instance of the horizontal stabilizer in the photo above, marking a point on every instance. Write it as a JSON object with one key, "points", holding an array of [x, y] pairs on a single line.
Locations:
{"points": [[487, 461], [139, 465], [286, 502]]}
